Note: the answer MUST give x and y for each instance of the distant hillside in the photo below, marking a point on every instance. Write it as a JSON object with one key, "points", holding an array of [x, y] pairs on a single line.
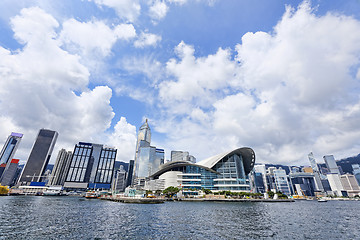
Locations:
{"points": [[346, 163]]}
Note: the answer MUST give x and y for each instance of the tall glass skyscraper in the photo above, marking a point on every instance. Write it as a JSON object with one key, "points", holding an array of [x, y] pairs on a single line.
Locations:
{"points": [[315, 168], [10, 147], [92, 166], [39, 157], [8, 151], [147, 158]]}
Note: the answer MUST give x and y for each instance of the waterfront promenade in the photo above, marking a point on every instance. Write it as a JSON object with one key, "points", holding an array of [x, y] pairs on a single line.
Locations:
{"points": [[162, 200]]}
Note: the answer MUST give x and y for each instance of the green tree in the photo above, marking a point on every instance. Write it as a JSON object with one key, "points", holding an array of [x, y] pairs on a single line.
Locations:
{"points": [[207, 191], [271, 194], [171, 191]]}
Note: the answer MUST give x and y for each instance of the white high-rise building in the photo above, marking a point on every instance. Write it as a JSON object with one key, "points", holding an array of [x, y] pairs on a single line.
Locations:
{"points": [[281, 181], [61, 168], [335, 184]]}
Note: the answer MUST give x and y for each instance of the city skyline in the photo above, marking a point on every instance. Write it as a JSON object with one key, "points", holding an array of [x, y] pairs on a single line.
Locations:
{"points": [[279, 77]]}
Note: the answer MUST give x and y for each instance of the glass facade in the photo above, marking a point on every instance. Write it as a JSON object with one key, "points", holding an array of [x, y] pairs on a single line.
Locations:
{"points": [[200, 176], [92, 163], [39, 156], [80, 164], [232, 174], [10, 146], [105, 167]]}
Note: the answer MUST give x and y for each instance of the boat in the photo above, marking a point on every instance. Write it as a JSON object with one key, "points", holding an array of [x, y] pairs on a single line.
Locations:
{"points": [[92, 195], [322, 200], [53, 191]]}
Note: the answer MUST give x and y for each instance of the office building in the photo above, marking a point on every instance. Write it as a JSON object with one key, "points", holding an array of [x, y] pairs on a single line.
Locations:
{"points": [[119, 183], [261, 168], [303, 184], [147, 158], [8, 175], [92, 166], [141, 163], [318, 183], [129, 177], [258, 182], [281, 181], [8, 151], [350, 185], [224, 172], [335, 184], [356, 172], [61, 168], [331, 164], [179, 156], [39, 157]]}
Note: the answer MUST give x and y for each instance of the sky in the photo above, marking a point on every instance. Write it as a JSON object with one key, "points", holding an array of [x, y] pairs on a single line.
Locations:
{"points": [[281, 77]]}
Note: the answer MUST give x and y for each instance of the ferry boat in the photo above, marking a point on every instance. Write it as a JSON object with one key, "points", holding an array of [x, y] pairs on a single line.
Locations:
{"points": [[92, 194]]}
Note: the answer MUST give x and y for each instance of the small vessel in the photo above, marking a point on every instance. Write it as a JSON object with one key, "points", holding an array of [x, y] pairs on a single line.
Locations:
{"points": [[53, 191], [92, 194], [322, 200]]}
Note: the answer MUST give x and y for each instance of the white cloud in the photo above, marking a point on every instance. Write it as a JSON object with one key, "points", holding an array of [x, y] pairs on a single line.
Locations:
{"points": [[147, 39], [158, 10], [125, 9], [181, 2], [95, 37], [198, 81], [43, 86], [124, 140], [285, 94]]}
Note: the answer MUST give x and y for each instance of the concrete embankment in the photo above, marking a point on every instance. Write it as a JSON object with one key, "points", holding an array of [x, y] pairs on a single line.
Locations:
{"points": [[233, 200], [161, 200], [133, 200]]}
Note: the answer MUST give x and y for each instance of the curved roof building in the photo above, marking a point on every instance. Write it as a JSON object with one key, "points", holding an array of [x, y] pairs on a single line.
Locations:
{"points": [[247, 154], [227, 171]]}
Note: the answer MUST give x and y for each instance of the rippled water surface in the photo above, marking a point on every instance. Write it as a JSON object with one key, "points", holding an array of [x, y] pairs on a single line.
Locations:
{"points": [[35, 217]]}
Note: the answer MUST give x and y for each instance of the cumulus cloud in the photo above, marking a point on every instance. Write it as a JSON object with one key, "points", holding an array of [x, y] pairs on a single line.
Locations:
{"points": [[94, 37], [125, 9], [124, 139], [147, 39], [43, 86], [197, 81], [286, 92], [158, 10]]}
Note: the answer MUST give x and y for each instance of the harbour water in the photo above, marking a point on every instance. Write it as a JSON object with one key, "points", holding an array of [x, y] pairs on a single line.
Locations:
{"points": [[39, 217]]}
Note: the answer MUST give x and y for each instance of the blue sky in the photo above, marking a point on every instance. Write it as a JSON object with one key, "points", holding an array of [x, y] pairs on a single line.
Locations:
{"points": [[281, 77]]}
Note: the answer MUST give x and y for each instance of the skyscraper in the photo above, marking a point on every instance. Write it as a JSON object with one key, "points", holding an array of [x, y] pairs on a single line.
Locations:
{"points": [[39, 157], [9, 149], [315, 168], [92, 166], [179, 156], [9, 173], [331, 164], [61, 168], [144, 137], [129, 178]]}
